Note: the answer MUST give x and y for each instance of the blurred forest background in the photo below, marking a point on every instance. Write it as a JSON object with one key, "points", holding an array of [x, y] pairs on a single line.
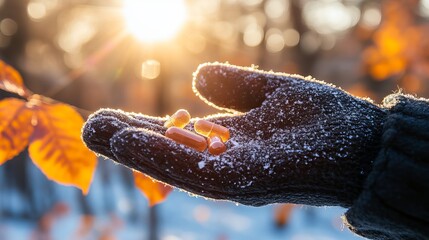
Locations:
{"points": [[111, 53]]}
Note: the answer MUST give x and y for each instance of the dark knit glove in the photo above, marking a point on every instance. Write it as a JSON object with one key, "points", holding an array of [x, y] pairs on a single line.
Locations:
{"points": [[394, 204], [293, 139]]}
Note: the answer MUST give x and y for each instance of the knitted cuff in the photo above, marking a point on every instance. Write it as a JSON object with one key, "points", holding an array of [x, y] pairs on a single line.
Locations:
{"points": [[394, 203]]}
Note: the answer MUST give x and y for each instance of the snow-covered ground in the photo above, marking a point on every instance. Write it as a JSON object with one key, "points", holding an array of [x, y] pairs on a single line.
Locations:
{"points": [[117, 209], [188, 218], [185, 217]]}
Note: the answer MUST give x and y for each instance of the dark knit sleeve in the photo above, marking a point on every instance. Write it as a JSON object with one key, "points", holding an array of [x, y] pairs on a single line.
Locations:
{"points": [[395, 201]]}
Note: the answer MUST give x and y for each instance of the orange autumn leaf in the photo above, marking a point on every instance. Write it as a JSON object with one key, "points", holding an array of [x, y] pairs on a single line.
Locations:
{"points": [[15, 127], [155, 192], [282, 214], [11, 80], [57, 149]]}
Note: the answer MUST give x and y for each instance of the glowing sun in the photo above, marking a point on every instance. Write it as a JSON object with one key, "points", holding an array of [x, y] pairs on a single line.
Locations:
{"points": [[154, 20]]}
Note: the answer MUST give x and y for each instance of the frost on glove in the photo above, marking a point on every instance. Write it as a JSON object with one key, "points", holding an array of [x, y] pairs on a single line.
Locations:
{"points": [[293, 139]]}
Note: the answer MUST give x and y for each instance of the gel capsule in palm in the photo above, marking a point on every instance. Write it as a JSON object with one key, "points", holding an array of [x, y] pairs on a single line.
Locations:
{"points": [[179, 119], [216, 146], [187, 138], [210, 129]]}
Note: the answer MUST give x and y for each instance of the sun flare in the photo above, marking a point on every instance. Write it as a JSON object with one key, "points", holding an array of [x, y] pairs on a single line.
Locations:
{"points": [[154, 20]]}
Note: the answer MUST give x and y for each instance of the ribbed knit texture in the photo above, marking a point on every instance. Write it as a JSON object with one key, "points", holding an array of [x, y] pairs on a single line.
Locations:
{"points": [[395, 201]]}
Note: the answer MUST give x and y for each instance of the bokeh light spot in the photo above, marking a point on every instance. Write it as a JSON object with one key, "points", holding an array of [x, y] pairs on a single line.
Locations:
{"points": [[8, 27], [275, 8], [36, 10], [275, 41], [253, 35], [151, 69], [329, 16], [291, 37], [371, 17]]}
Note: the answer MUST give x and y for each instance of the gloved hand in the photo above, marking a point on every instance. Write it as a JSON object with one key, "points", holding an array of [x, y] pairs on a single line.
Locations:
{"points": [[293, 139]]}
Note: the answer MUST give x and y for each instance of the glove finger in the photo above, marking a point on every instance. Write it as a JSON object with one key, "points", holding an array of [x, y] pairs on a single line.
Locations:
{"points": [[231, 88], [97, 131], [241, 89], [103, 124], [134, 119]]}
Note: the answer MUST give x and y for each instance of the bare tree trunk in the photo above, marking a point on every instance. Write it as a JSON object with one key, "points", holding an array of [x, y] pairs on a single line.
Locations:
{"points": [[153, 223]]}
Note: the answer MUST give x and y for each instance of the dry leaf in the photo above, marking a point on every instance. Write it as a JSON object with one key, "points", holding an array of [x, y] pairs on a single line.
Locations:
{"points": [[283, 213], [55, 143], [11, 80], [155, 192], [57, 149], [15, 127]]}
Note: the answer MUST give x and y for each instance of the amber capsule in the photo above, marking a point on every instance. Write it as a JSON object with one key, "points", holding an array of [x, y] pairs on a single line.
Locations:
{"points": [[209, 129], [179, 119], [216, 146], [187, 138]]}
